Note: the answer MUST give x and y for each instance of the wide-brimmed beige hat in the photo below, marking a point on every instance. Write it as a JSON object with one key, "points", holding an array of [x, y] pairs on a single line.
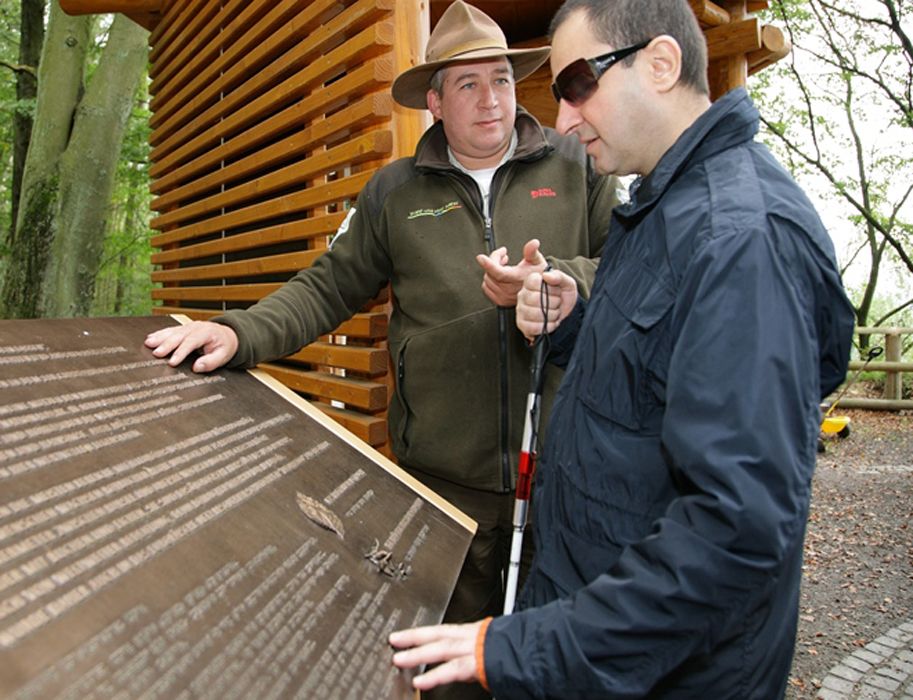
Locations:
{"points": [[463, 33]]}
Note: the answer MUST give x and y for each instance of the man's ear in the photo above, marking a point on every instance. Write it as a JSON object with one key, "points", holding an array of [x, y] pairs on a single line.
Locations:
{"points": [[434, 103], [664, 62]]}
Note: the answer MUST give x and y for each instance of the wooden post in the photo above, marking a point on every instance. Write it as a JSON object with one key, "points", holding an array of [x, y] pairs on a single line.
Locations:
{"points": [[732, 71], [892, 381], [412, 26]]}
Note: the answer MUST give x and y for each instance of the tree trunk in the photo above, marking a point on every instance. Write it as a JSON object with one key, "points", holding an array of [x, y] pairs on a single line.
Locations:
{"points": [[31, 38], [59, 87], [69, 171], [87, 170]]}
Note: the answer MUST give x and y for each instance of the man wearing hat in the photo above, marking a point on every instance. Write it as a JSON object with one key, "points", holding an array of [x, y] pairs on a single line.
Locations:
{"points": [[485, 178]]}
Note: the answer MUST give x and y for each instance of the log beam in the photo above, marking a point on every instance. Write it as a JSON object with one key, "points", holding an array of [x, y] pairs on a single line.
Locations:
{"points": [[774, 46], [94, 7], [709, 14]]}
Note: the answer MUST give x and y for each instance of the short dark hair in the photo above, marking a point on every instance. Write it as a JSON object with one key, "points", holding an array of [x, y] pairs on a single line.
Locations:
{"points": [[621, 23]]}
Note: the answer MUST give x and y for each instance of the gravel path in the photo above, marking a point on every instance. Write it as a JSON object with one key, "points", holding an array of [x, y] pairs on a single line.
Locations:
{"points": [[858, 574]]}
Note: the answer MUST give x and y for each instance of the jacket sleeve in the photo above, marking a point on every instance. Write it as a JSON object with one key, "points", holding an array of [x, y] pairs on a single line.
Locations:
{"points": [[739, 434], [319, 298]]}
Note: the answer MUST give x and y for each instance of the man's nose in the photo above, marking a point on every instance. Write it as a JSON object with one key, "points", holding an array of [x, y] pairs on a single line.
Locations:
{"points": [[568, 118], [488, 97]]}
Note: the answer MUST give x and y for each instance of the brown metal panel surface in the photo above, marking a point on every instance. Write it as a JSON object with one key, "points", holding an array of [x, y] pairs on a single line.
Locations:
{"points": [[167, 534]]}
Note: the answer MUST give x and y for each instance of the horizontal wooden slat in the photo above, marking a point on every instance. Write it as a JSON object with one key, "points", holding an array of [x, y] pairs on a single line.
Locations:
{"points": [[335, 191], [371, 146], [371, 361], [203, 30], [736, 38], [228, 292], [250, 53], [288, 263], [371, 429], [367, 395], [172, 31], [284, 233], [239, 24], [371, 325], [364, 112], [178, 150], [296, 73]]}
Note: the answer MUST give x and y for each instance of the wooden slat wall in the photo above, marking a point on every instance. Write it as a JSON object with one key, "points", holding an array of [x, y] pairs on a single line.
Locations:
{"points": [[269, 116]]}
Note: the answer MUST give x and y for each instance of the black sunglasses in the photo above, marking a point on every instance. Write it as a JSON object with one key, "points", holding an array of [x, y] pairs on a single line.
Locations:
{"points": [[578, 80]]}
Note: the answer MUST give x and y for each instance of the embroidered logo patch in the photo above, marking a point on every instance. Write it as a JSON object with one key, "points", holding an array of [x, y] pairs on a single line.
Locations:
{"points": [[542, 192], [440, 211]]}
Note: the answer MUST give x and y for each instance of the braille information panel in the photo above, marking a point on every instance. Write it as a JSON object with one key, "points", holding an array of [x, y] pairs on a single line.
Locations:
{"points": [[166, 534]]}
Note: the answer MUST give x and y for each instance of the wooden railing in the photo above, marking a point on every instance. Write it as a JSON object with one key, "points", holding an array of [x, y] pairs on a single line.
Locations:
{"points": [[889, 362]]}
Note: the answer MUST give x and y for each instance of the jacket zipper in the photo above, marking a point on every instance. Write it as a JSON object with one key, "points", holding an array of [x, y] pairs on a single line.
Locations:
{"points": [[502, 342], [490, 242]]}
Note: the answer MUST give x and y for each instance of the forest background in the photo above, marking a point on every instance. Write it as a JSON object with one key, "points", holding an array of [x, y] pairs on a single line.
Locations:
{"points": [[74, 153]]}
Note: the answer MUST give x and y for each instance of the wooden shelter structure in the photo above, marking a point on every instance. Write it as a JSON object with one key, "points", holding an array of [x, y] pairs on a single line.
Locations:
{"points": [[269, 116]]}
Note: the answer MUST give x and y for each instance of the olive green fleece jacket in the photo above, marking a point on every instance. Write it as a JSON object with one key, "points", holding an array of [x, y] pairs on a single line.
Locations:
{"points": [[462, 366]]}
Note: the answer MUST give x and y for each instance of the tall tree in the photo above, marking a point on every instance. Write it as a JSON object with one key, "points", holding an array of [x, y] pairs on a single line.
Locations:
{"points": [[70, 167], [31, 39], [841, 108]]}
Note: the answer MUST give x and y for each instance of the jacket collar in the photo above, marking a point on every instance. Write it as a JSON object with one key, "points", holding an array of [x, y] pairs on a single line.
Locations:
{"points": [[731, 120], [431, 152]]}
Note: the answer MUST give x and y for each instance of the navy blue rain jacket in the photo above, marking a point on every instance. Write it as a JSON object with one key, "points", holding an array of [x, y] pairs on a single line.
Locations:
{"points": [[673, 490]]}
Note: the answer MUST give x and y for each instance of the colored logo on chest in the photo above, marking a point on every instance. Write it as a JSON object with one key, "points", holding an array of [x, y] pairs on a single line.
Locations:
{"points": [[542, 192], [440, 211]]}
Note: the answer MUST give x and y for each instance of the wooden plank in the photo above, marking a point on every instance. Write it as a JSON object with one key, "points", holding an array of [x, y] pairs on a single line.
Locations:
{"points": [[370, 146], [240, 62], [412, 24], [200, 32], [172, 30], [303, 230], [360, 393], [228, 292], [335, 191], [734, 39], [364, 326], [371, 429], [172, 12], [371, 361], [187, 143], [288, 263], [231, 25], [247, 80], [369, 110]]}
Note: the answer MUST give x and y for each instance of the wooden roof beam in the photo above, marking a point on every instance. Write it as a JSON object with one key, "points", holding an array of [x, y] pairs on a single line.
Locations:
{"points": [[145, 13]]}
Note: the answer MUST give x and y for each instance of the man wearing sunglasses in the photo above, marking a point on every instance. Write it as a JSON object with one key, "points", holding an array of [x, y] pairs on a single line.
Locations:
{"points": [[673, 489]]}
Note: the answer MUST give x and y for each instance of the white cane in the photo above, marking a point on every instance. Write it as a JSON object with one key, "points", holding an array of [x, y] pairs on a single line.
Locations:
{"points": [[527, 466]]}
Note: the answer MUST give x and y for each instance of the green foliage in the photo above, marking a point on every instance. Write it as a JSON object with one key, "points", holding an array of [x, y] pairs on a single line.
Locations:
{"points": [[837, 111]]}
